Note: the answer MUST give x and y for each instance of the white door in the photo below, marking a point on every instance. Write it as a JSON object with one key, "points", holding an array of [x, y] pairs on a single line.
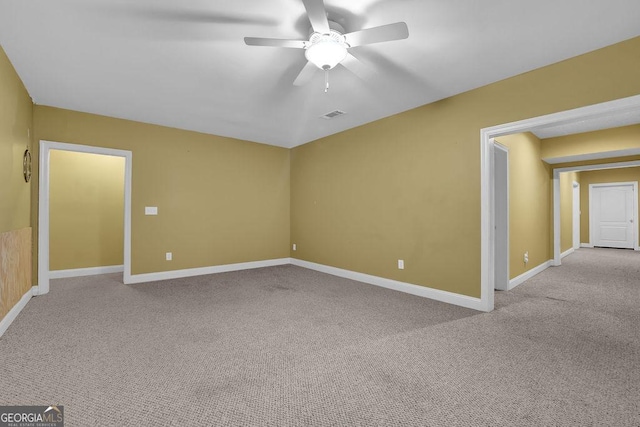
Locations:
{"points": [[576, 215], [612, 213], [501, 216]]}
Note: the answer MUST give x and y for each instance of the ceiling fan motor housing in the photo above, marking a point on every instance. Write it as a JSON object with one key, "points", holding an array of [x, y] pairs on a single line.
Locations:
{"points": [[326, 51]]}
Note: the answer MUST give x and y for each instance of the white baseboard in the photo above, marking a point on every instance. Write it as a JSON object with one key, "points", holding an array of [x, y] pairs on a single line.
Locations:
{"points": [[409, 288], [90, 271], [587, 245], [15, 310], [189, 272], [423, 291], [529, 274], [567, 253]]}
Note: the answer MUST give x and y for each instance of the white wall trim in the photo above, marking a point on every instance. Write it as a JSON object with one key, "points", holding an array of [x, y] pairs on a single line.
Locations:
{"points": [[529, 274], [15, 310], [567, 253], [576, 214], [586, 245], [200, 271], [557, 258], [593, 156], [409, 288], [89, 271], [43, 205], [616, 165]]}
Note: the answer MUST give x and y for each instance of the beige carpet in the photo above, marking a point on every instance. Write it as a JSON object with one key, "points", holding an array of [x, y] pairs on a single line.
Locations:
{"points": [[286, 346]]}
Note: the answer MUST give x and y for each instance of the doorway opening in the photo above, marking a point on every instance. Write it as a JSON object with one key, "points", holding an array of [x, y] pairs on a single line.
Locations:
{"points": [[556, 205], [488, 261], [44, 209]]}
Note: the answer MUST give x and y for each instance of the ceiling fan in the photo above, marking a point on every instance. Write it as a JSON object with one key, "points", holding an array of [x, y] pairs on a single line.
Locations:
{"points": [[328, 44]]}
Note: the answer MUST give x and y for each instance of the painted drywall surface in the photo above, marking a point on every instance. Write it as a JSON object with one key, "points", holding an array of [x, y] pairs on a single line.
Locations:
{"points": [[220, 201], [622, 138], [529, 203], [408, 186], [86, 210], [599, 177], [566, 209], [16, 120]]}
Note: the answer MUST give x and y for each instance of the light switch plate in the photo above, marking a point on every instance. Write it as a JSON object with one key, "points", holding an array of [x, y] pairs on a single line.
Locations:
{"points": [[151, 210]]}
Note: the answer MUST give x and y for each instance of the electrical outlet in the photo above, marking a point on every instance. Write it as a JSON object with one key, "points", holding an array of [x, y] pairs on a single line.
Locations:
{"points": [[400, 264], [169, 256], [526, 257], [294, 247]]}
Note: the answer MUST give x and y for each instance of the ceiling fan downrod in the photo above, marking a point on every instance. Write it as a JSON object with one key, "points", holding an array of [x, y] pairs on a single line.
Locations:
{"points": [[326, 80]]}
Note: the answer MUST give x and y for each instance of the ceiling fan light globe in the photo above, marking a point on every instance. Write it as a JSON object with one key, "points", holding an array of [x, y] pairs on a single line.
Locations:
{"points": [[326, 54]]}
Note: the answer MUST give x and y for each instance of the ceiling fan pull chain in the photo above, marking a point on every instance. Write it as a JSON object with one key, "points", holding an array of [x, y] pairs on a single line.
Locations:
{"points": [[326, 81]]}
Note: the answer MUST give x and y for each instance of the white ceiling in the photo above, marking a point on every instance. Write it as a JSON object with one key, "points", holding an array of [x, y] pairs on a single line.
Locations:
{"points": [[184, 64]]}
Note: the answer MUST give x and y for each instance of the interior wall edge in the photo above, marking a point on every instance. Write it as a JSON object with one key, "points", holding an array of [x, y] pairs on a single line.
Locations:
{"points": [[7, 320], [529, 274]]}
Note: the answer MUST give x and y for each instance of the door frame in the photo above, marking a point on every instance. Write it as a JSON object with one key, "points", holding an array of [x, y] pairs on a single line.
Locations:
{"points": [[634, 188], [576, 214], [556, 198], [43, 205], [613, 108], [501, 262]]}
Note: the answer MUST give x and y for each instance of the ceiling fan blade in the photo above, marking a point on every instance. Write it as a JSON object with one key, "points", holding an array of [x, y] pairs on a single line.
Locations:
{"points": [[172, 15], [379, 34], [357, 67], [305, 74], [203, 17], [317, 15], [260, 41]]}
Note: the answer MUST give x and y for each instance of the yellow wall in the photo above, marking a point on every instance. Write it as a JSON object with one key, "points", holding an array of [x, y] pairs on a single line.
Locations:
{"points": [[529, 203], [566, 209], [597, 177], [621, 138], [220, 200], [407, 186], [16, 120], [86, 210]]}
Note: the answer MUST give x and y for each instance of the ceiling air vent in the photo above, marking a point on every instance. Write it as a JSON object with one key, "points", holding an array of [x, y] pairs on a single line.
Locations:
{"points": [[331, 115]]}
